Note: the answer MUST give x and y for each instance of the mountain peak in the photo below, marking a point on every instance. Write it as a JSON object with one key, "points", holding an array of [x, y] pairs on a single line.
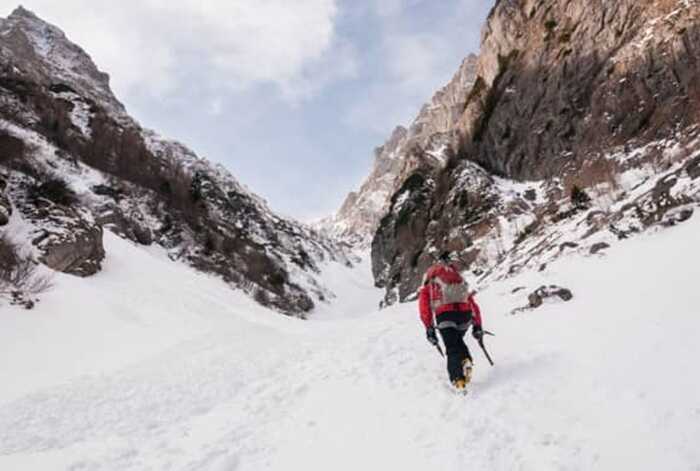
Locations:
{"points": [[44, 50], [362, 211], [24, 15], [21, 12]]}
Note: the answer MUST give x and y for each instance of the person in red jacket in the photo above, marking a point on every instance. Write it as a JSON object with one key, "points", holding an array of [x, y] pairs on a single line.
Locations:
{"points": [[446, 303]]}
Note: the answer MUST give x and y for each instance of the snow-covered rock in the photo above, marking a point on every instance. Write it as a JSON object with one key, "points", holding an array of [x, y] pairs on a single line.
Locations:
{"points": [[63, 233]]}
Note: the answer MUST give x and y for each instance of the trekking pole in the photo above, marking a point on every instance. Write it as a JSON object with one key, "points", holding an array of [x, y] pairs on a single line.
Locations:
{"points": [[483, 347]]}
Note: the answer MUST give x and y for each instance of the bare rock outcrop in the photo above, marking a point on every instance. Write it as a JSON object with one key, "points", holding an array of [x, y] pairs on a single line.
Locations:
{"points": [[79, 252], [5, 205], [545, 294], [561, 81], [113, 218], [61, 230], [418, 224], [693, 168]]}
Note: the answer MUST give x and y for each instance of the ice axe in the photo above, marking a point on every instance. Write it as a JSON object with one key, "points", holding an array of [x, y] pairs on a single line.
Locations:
{"points": [[483, 347], [439, 349]]}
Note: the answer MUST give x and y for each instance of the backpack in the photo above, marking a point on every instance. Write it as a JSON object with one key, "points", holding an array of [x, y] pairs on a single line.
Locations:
{"points": [[453, 289]]}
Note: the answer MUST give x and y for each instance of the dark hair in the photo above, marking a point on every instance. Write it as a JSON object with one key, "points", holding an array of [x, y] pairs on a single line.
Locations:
{"points": [[445, 256]]}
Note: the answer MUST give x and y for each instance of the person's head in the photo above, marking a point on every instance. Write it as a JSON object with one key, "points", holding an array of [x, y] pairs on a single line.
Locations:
{"points": [[445, 257]]}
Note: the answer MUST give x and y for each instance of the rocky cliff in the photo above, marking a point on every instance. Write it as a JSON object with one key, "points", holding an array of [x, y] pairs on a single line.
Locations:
{"points": [[561, 81], [581, 128], [425, 143], [74, 163]]}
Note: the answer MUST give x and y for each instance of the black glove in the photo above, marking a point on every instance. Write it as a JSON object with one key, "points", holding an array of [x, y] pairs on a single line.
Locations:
{"points": [[477, 332], [430, 334]]}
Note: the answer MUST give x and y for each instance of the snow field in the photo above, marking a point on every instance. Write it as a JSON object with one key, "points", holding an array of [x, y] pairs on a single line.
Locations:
{"points": [[149, 365]]}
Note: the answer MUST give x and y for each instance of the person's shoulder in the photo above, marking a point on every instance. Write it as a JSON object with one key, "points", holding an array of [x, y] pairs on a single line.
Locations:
{"points": [[428, 276], [434, 270], [441, 270]]}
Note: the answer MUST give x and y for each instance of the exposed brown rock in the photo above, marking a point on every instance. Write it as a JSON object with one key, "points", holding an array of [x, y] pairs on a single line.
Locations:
{"points": [[80, 253], [560, 79], [5, 205], [415, 229], [113, 218], [11, 148], [537, 297]]}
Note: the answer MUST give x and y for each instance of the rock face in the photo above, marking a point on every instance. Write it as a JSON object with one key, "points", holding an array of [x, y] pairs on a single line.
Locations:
{"points": [[560, 81], [64, 234], [601, 97], [61, 123], [693, 168], [415, 229], [425, 143], [5, 205], [43, 52], [81, 253]]}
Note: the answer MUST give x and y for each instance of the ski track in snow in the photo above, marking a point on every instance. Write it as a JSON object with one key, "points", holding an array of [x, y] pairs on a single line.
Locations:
{"points": [[99, 378]]}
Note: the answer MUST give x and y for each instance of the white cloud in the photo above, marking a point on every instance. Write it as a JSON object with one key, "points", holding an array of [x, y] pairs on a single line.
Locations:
{"points": [[162, 45]]}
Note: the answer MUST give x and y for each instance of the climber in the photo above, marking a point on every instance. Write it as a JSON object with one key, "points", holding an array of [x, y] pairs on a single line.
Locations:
{"points": [[446, 303]]}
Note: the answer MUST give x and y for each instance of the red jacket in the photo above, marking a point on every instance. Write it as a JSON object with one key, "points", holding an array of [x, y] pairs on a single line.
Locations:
{"points": [[431, 291]]}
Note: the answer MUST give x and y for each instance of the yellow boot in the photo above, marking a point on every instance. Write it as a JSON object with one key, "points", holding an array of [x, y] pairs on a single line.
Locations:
{"points": [[467, 366], [459, 384]]}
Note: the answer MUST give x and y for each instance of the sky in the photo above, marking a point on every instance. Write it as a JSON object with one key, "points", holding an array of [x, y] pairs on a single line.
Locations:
{"points": [[291, 96]]}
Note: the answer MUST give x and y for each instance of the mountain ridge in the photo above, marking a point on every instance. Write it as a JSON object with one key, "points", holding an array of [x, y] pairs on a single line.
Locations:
{"points": [[60, 121], [424, 142]]}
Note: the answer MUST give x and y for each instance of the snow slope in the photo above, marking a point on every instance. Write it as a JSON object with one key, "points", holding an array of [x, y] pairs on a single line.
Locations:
{"points": [[152, 366]]}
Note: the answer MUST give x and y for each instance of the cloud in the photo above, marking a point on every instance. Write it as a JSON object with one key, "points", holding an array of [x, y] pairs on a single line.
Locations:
{"points": [[161, 46]]}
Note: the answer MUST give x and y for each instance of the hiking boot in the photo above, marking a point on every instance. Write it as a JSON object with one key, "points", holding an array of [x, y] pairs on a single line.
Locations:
{"points": [[467, 369], [459, 384]]}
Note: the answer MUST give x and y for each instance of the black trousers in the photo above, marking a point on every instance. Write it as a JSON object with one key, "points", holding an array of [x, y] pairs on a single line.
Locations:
{"points": [[453, 338]]}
